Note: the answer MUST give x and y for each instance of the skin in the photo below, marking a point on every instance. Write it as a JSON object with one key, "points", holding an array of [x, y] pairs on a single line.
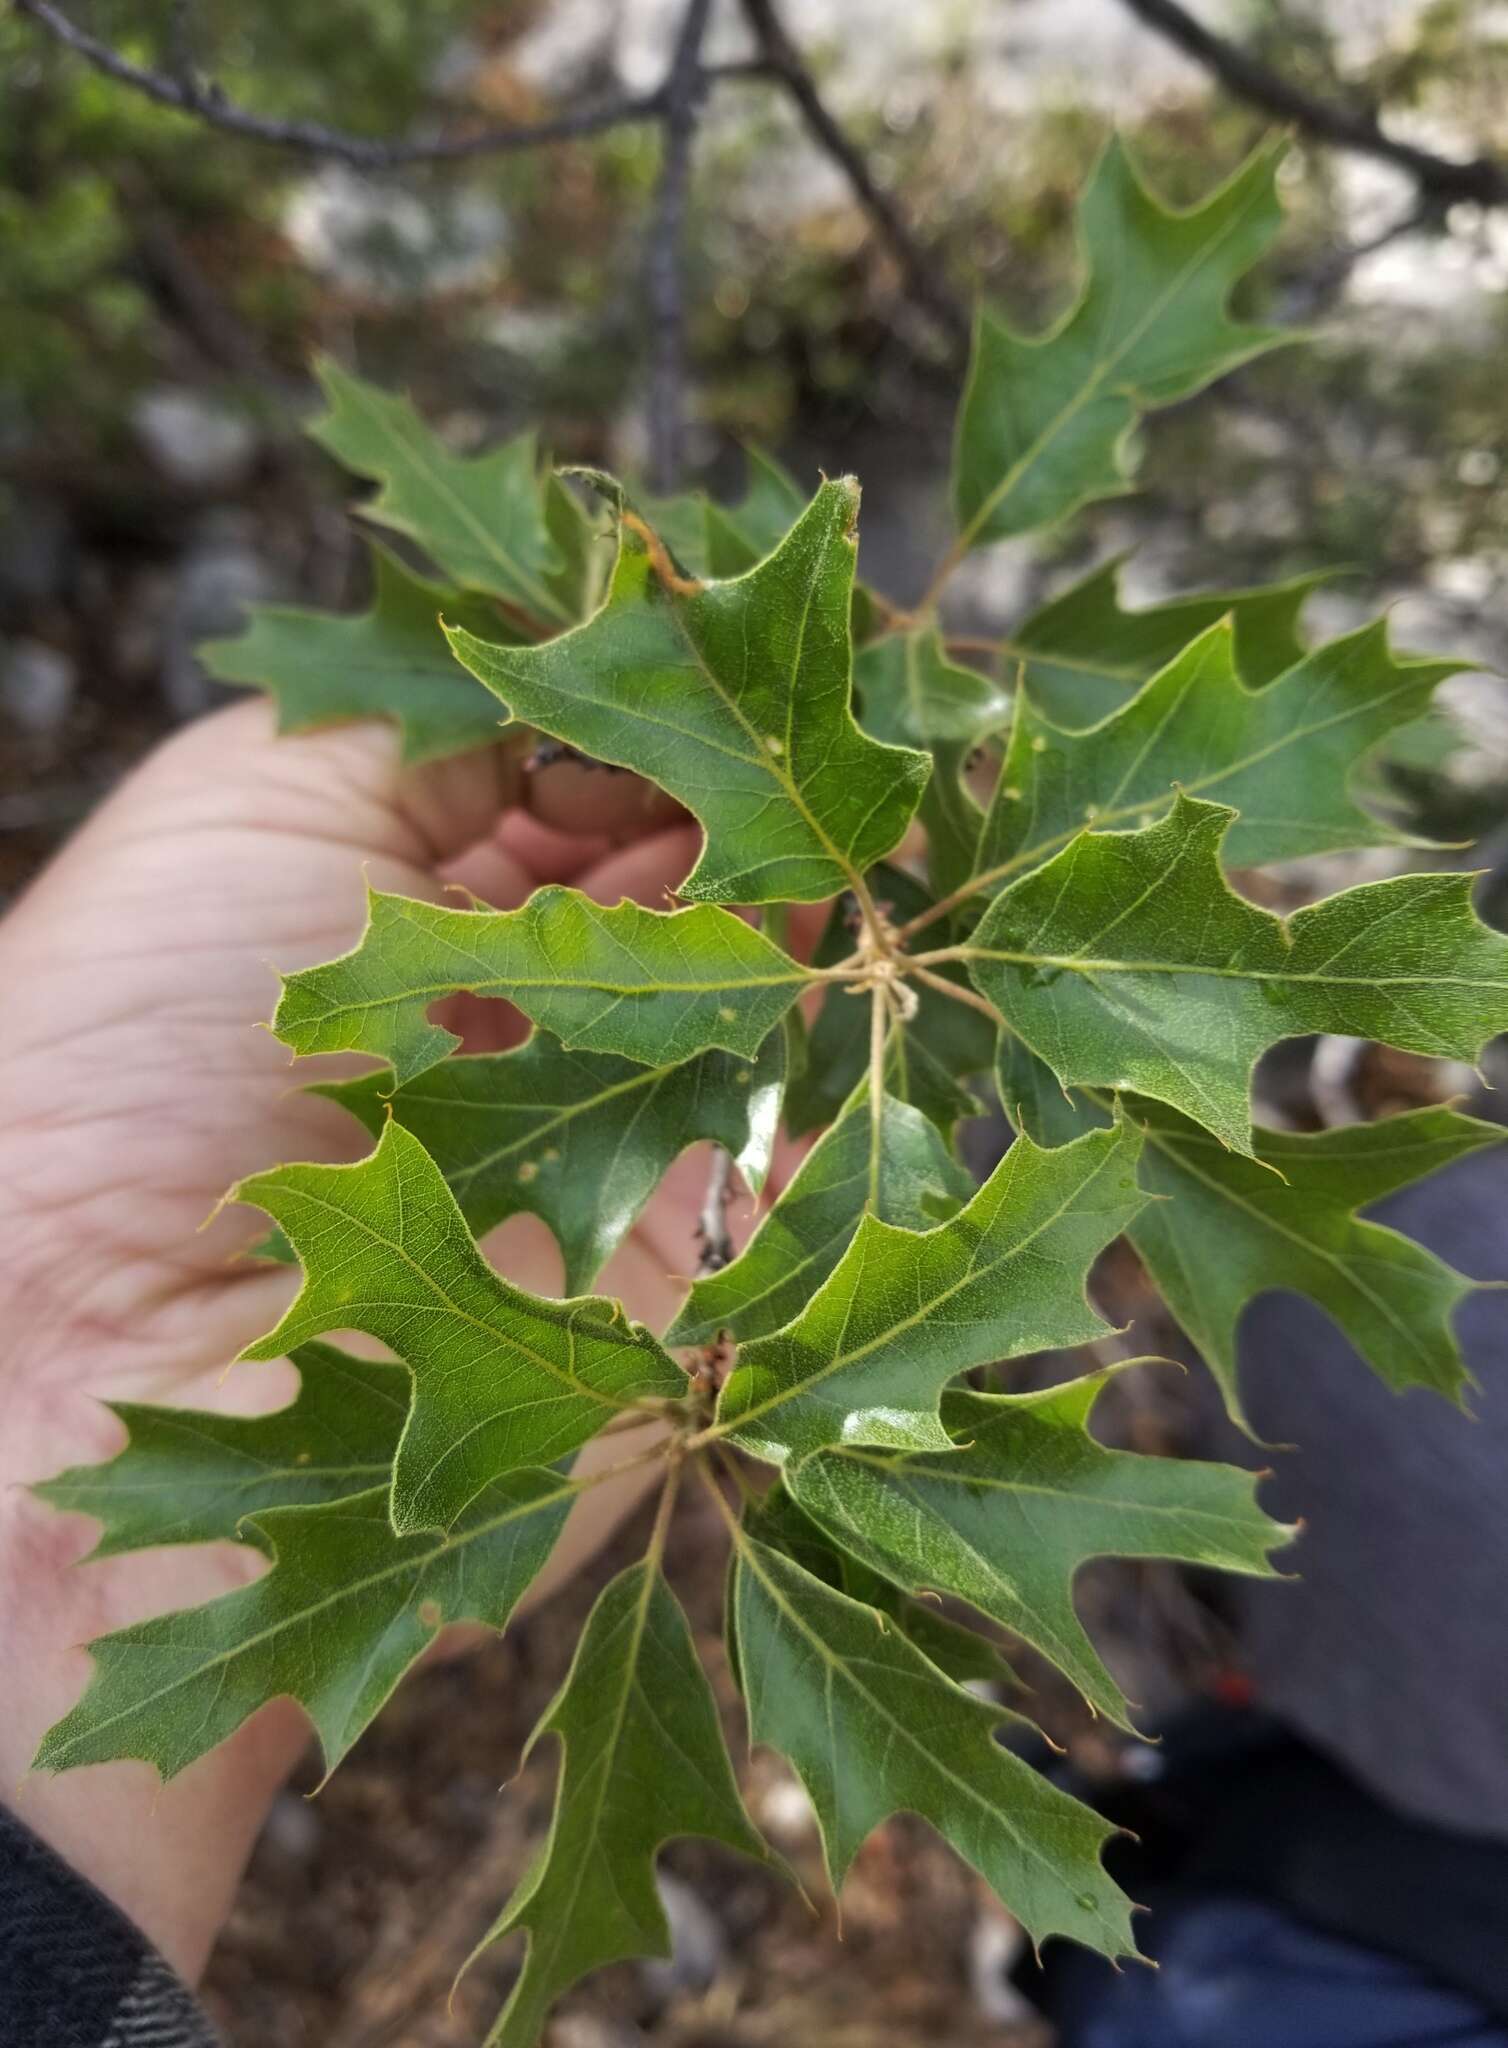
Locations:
{"points": [[134, 1088]]}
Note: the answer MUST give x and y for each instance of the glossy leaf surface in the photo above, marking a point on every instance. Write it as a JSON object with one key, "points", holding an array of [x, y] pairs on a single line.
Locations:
{"points": [[904, 1312]]}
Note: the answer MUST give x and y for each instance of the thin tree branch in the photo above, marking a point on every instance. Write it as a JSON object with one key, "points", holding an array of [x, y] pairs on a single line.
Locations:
{"points": [[681, 97], [191, 94], [922, 280], [1442, 178]]}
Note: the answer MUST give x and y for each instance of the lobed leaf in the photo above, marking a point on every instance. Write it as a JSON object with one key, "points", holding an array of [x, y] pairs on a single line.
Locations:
{"points": [[1006, 1519], [1281, 757], [959, 1652], [912, 695], [643, 1761], [1223, 1229], [1045, 420], [1126, 962], [391, 661], [1085, 653], [873, 1728], [483, 518], [191, 1476], [904, 1312], [347, 1609], [579, 1139], [648, 985], [501, 1378], [699, 690], [1227, 1229], [895, 1167]]}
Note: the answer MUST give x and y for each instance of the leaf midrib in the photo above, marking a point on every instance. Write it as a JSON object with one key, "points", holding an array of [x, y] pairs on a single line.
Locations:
{"points": [[485, 539], [1078, 964], [1115, 813], [972, 1272], [842, 1669], [447, 1545], [487, 1329], [1098, 376]]}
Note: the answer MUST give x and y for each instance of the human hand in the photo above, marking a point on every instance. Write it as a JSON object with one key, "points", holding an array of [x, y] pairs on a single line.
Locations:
{"points": [[134, 1089]]}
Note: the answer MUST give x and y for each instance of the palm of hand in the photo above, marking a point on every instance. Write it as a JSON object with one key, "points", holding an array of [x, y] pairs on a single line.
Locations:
{"points": [[135, 1088]]}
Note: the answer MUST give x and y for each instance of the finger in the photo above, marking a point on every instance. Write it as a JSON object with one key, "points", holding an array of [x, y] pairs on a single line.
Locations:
{"points": [[590, 797], [546, 853], [646, 871]]}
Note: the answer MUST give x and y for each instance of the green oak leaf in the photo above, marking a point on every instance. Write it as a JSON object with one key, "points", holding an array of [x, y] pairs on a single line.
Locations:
{"points": [[501, 1378], [584, 544], [192, 1476], [706, 538], [1035, 1100], [962, 1653], [700, 691], [1227, 1229], [1282, 757], [653, 986], [483, 518], [1046, 420], [927, 1061], [1223, 1229], [872, 1728], [1126, 962], [904, 1312], [1005, 1520], [1084, 653], [897, 1168], [580, 1139], [952, 818], [391, 661], [347, 1608], [680, 523], [643, 1761], [912, 695], [740, 535]]}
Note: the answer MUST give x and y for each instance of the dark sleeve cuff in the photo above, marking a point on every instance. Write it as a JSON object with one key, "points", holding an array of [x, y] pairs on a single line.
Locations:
{"points": [[74, 1971]]}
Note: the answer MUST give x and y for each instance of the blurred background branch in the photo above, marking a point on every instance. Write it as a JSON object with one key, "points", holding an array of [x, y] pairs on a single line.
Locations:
{"points": [[1444, 180]]}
